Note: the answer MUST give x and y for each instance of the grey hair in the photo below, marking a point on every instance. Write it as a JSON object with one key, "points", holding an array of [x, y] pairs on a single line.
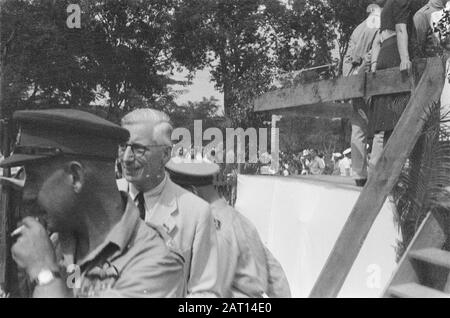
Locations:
{"points": [[372, 8], [162, 127]]}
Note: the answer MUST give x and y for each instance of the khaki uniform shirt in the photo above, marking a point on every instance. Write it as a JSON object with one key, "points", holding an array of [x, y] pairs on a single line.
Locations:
{"points": [[133, 261], [247, 269]]}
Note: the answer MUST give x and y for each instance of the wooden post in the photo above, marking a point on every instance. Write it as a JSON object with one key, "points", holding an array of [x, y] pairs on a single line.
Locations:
{"points": [[378, 187], [3, 223], [5, 212]]}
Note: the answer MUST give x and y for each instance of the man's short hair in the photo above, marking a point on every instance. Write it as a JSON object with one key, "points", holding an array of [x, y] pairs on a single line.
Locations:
{"points": [[162, 128]]}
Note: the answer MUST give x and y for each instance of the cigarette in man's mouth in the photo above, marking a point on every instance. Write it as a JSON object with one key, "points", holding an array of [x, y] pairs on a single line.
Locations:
{"points": [[17, 231]]}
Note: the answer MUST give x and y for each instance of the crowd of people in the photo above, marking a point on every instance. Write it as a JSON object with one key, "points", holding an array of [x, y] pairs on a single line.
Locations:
{"points": [[311, 162]]}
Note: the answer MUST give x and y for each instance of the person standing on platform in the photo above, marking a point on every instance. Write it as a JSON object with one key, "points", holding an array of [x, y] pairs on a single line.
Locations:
{"points": [[358, 53], [428, 44], [390, 49], [442, 36]]}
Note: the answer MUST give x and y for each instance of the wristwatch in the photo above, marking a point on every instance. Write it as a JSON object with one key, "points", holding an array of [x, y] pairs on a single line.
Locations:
{"points": [[45, 277]]}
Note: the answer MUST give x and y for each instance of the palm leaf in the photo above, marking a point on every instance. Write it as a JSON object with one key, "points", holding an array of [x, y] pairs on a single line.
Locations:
{"points": [[422, 184]]}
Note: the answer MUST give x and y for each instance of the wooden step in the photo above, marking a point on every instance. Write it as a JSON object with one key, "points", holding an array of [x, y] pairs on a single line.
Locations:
{"points": [[413, 290], [433, 256]]}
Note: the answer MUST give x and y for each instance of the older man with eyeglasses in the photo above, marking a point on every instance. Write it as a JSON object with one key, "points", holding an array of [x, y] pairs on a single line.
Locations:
{"points": [[185, 219]]}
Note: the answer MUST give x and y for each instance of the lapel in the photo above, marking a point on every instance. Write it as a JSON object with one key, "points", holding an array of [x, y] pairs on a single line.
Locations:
{"points": [[166, 208]]}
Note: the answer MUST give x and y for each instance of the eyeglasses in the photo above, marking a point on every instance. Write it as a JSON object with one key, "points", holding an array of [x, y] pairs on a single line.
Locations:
{"points": [[137, 149]]}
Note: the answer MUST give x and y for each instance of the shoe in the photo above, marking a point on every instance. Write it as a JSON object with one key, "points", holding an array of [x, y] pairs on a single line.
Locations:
{"points": [[360, 182]]}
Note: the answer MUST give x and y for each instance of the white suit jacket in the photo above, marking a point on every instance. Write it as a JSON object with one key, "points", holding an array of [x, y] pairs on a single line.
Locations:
{"points": [[189, 226]]}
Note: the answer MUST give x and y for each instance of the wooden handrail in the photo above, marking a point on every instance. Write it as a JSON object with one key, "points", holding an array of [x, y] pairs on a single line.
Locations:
{"points": [[320, 98], [385, 175]]}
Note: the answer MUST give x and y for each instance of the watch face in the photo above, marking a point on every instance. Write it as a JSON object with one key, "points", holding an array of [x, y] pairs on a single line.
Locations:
{"points": [[45, 277]]}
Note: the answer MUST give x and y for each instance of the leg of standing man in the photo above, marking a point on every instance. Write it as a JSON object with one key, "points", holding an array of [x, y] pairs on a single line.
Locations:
{"points": [[377, 148], [359, 142]]}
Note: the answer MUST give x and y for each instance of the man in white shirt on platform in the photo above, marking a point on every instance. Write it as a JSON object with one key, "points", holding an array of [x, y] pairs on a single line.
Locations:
{"points": [[186, 219]]}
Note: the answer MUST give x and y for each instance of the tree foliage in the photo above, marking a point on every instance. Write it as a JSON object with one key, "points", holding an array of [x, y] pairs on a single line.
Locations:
{"points": [[184, 115], [237, 39], [248, 44], [39, 58], [121, 50], [311, 36], [124, 53], [423, 183], [129, 45]]}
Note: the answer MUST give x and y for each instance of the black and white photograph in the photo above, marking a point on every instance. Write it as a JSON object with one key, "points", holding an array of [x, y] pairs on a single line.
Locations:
{"points": [[236, 150]]}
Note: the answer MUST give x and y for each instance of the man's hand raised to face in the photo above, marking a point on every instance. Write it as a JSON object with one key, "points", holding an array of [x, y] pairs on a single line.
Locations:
{"points": [[33, 250]]}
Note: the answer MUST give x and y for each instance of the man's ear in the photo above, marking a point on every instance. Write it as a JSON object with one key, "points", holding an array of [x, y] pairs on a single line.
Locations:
{"points": [[167, 154], [77, 175]]}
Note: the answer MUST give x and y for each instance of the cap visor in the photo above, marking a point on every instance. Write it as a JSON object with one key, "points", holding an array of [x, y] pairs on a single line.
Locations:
{"points": [[19, 160]]}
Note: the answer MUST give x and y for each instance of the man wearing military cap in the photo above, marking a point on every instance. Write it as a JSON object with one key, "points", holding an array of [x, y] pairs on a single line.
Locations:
{"points": [[185, 218], [247, 267], [100, 246]]}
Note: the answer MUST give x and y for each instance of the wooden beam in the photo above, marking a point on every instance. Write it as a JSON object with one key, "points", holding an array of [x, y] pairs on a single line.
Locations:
{"points": [[312, 93], [389, 81], [386, 173], [322, 110]]}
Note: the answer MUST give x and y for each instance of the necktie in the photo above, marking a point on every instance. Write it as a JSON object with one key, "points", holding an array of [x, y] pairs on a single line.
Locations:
{"points": [[141, 204]]}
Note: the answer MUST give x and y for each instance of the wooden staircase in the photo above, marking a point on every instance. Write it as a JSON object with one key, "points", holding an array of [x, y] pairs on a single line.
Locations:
{"points": [[328, 99], [423, 271]]}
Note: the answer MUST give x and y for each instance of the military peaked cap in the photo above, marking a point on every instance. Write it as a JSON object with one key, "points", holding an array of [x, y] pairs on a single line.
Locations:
{"points": [[64, 132]]}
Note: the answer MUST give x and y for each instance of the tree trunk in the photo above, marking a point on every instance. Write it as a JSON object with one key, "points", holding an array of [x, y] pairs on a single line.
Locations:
{"points": [[227, 97]]}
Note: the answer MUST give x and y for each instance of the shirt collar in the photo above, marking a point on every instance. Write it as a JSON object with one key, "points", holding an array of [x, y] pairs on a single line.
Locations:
{"points": [[156, 191], [120, 235], [438, 4]]}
